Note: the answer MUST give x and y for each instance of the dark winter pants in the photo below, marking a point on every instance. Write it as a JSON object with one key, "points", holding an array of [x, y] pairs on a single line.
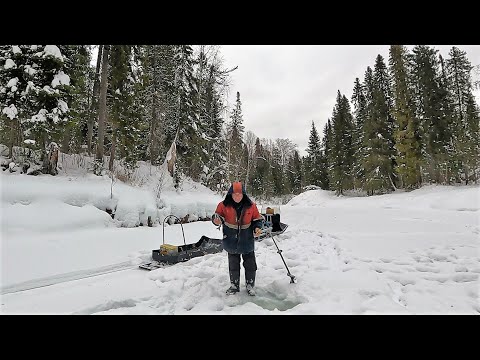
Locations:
{"points": [[249, 264]]}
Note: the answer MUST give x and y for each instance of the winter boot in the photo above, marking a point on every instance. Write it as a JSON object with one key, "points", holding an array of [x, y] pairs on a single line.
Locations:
{"points": [[234, 283], [232, 290], [250, 281]]}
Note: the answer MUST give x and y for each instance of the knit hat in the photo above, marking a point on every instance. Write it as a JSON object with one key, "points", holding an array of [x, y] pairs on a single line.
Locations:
{"points": [[237, 188]]}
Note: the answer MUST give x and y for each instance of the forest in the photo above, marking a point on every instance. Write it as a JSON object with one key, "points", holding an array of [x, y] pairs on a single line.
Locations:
{"points": [[412, 119]]}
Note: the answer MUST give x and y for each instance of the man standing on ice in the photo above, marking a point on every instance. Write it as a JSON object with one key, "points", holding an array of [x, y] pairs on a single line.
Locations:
{"points": [[242, 222]]}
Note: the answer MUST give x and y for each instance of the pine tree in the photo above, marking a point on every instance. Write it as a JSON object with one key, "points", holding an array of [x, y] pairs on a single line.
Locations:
{"points": [[154, 106], [314, 157], [17, 92], [364, 151], [235, 142], [378, 131], [212, 107], [269, 180], [407, 139], [447, 159], [466, 118], [125, 118], [168, 107], [216, 169], [295, 174], [277, 172], [341, 150], [36, 96], [190, 144], [75, 132], [325, 165], [259, 170], [472, 154], [359, 101], [264, 180], [433, 127]]}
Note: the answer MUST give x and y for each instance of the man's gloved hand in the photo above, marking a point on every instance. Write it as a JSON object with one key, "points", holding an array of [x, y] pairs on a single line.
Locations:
{"points": [[257, 232], [217, 219]]}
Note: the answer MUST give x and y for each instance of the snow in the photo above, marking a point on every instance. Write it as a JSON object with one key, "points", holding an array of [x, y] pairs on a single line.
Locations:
{"points": [[29, 70], [9, 64], [401, 253], [52, 50], [30, 86], [10, 111], [40, 117], [48, 90], [62, 106], [12, 83], [16, 49], [60, 79]]}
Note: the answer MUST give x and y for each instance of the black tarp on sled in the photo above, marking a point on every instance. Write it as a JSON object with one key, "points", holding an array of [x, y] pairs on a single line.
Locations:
{"points": [[171, 254]]}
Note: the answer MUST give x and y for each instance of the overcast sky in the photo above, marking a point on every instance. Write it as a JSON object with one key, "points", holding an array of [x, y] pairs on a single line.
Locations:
{"points": [[284, 87]]}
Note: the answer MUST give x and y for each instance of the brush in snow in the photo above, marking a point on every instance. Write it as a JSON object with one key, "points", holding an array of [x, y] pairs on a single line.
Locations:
{"points": [[171, 254]]}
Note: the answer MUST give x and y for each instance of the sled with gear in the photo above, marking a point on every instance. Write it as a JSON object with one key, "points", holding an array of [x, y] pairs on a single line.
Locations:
{"points": [[169, 254], [271, 222]]}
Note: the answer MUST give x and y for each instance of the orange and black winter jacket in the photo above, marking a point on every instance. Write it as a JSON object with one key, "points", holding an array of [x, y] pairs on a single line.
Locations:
{"points": [[238, 232]]}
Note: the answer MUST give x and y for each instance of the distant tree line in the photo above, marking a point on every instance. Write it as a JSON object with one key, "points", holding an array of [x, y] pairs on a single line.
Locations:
{"points": [[413, 122]]}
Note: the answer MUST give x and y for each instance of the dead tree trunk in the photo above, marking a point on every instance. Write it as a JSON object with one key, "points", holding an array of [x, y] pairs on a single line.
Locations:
{"points": [[153, 123], [94, 103], [12, 139], [103, 104], [112, 148]]}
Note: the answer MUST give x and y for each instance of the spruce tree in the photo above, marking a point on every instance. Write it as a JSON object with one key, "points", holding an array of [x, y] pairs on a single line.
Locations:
{"points": [[325, 164], [378, 131], [35, 96], [433, 127], [213, 106], [407, 139], [341, 150], [235, 142], [295, 174], [75, 132], [446, 159], [466, 118], [259, 171], [360, 114], [125, 118], [314, 156], [190, 143], [17, 92]]}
